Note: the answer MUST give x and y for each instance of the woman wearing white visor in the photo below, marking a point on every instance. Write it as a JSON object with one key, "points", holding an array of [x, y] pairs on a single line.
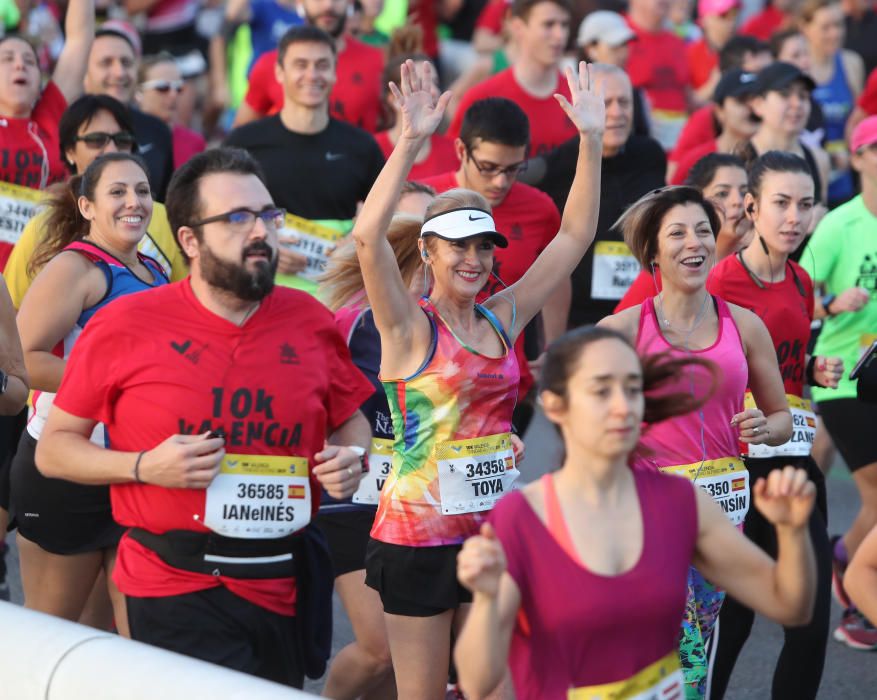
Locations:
{"points": [[450, 375]]}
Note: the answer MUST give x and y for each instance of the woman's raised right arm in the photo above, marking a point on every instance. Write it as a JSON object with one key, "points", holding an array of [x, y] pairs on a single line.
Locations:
{"points": [[395, 310]]}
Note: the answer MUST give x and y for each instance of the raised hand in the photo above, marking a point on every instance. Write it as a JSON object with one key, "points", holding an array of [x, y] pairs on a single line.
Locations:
{"points": [[421, 111], [588, 110], [481, 563], [785, 498]]}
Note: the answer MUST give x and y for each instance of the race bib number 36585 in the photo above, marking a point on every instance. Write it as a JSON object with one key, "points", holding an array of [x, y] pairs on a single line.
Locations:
{"points": [[259, 497], [474, 474]]}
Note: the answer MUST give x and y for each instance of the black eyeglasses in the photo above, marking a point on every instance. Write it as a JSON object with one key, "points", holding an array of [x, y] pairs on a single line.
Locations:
{"points": [[163, 86], [243, 220], [492, 169], [99, 139]]}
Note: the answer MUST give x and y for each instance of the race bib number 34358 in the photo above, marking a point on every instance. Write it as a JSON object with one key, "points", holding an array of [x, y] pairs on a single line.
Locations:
{"points": [[259, 497], [474, 474]]}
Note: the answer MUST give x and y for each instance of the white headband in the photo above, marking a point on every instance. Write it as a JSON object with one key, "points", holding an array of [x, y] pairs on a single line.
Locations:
{"points": [[457, 224]]}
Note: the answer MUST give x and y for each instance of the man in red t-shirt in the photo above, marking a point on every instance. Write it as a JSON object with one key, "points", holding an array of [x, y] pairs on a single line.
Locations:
{"points": [[492, 148], [356, 96], [540, 31], [657, 64], [226, 402]]}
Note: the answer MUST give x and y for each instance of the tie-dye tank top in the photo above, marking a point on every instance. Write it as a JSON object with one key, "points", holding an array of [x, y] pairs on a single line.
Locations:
{"points": [[457, 394]]}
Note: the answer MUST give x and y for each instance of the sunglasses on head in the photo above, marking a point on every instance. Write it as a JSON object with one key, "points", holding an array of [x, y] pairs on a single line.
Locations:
{"points": [[99, 139], [163, 86]]}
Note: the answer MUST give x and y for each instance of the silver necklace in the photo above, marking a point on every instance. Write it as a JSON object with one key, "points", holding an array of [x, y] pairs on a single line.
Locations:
{"points": [[697, 319]]}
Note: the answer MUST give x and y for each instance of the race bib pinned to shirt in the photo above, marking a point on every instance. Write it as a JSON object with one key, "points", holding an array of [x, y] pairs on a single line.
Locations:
{"points": [[18, 205], [803, 430], [474, 474], [259, 496], [614, 270], [380, 461], [726, 480], [661, 680]]}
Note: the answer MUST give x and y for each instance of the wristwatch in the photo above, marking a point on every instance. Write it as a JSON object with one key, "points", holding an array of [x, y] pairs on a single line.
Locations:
{"points": [[826, 302], [362, 453], [4, 382]]}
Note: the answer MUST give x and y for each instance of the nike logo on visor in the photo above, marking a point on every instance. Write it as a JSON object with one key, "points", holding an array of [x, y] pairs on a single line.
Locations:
{"points": [[476, 218]]}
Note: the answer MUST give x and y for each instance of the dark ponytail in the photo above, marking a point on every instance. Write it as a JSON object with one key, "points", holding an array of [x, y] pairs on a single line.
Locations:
{"points": [[64, 222]]}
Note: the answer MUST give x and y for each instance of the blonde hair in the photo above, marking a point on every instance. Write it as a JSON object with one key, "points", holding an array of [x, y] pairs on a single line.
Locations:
{"points": [[342, 280]]}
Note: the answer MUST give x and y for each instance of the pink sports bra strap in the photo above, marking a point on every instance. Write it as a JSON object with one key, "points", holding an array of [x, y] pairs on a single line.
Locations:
{"points": [[92, 252], [554, 520]]}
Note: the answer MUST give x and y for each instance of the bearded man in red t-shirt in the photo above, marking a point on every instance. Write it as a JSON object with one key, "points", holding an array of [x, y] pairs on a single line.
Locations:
{"points": [[228, 404]]}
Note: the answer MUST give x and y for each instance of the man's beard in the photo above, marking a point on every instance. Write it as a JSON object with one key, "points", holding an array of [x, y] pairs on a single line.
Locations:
{"points": [[236, 278], [336, 30]]}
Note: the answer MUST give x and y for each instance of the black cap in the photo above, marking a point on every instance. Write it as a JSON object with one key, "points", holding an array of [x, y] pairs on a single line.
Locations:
{"points": [[780, 75], [734, 83]]}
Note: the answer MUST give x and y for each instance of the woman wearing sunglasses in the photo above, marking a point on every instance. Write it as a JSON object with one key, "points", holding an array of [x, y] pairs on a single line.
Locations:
{"points": [[90, 127], [66, 533], [161, 84], [29, 114]]}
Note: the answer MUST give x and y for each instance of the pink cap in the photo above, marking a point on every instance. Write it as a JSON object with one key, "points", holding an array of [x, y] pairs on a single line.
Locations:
{"points": [[705, 8], [864, 134]]}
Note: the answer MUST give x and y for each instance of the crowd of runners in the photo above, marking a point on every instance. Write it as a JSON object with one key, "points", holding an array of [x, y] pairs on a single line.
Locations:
{"points": [[286, 282]]}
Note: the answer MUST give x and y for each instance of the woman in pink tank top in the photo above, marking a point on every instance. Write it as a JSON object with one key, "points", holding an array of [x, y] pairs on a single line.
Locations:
{"points": [[673, 229], [580, 579]]}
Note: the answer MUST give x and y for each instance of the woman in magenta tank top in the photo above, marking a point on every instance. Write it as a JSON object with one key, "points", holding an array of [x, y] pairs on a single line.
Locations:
{"points": [[674, 230], [580, 579], [450, 375]]}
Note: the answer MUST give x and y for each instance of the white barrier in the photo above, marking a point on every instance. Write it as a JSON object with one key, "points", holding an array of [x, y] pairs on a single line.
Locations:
{"points": [[45, 658]]}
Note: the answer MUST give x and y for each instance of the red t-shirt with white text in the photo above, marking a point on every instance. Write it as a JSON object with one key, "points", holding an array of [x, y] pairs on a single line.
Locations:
{"points": [[549, 125], [786, 312], [30, 153], [530, 220], [355, 99], [152, 365]]}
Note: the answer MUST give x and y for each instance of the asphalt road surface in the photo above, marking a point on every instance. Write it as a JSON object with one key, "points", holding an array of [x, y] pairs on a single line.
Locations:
{"points": [[849, 674]]}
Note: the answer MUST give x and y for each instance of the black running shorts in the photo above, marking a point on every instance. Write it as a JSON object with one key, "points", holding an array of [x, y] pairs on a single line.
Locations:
{"points": [[415, 581], [851, 424], [59, 516]]}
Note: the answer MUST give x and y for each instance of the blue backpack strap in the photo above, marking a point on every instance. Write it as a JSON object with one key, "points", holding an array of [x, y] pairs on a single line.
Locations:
{"points": [[497, 326]]}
